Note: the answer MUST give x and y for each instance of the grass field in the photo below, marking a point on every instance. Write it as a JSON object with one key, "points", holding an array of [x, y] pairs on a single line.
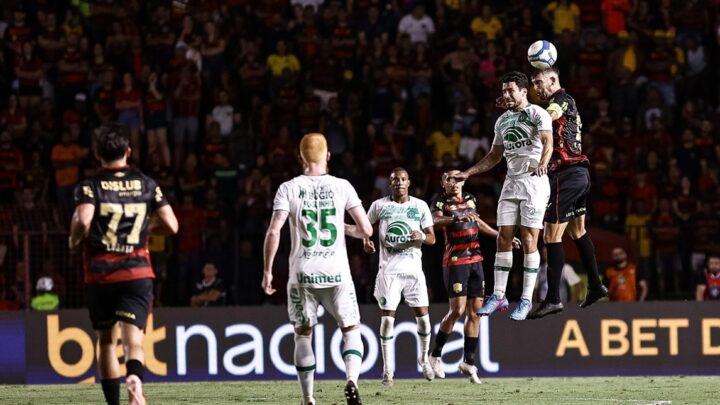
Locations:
{"points": [[525, 391]]}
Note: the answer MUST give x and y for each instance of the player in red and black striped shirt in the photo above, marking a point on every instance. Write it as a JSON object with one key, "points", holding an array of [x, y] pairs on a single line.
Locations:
{"points": [[569, 178], [111, 223], [454, 211]]}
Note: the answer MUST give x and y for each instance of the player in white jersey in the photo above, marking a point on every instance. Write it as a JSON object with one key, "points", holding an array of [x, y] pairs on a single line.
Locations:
{"points": [[315, 203], [405, 223], [523, 134]]}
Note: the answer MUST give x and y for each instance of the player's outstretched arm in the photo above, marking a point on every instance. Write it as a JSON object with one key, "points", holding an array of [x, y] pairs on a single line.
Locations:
{"points": [[486, 163], [80, 224], [363, 227], [168, 220], [270, 247]]}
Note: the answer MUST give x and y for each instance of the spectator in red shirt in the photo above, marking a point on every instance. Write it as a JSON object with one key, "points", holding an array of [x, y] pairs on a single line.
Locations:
{"points": [[14, 118], [190, 243], [11, 167], [156, 120], [50, 41], [614, 14], [213, 53], [185, 110], [29, 72], [73, 71], [128, 104]]}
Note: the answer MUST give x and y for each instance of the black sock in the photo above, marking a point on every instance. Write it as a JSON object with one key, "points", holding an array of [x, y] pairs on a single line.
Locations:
{"points": [[555, 264], [470, 349], [111, 390], [440, 339], [135, 367], [587, 256]]}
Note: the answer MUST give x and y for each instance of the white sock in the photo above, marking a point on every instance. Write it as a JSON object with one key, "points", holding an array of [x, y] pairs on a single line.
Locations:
{"points": [[352, 354], [531, 265], [503, 264], [424, 330], [387, 324], [305, 365]]}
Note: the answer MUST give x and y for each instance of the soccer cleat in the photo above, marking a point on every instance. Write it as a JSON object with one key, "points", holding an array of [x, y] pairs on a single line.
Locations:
{"points": [[493, 304], [311, 401], [593, 296], [388, 379], [545, 309], [352, 394], [470, 371], [437, 367], [427, 370], [135, 391], [521, 311]]}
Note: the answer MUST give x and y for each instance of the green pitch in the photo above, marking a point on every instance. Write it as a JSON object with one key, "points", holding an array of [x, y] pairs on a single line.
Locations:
{"points": [[524, 391]]}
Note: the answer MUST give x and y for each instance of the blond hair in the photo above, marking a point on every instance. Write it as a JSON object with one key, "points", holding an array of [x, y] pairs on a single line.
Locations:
{"points": [[313, 148]]}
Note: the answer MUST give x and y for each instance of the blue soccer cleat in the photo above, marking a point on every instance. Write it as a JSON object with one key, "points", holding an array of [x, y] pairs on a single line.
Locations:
{"points": [[493, 304], [521, 311]]}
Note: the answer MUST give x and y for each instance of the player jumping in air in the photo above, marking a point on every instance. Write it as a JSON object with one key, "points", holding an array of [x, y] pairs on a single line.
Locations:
{"points": [[315, 203], [405, 223], [569, 188], [523, 134], [111, 223], [454, 212]]}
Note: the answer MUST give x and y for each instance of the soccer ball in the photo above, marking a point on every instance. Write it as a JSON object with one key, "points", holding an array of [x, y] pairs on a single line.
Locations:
{"points": [[542, 54]]}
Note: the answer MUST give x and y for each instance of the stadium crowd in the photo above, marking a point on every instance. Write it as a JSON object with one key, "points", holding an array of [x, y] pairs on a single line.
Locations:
{"points": [[217, 94]]}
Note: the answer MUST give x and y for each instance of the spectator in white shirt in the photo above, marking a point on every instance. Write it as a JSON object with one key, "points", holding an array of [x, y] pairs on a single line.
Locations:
{"points": [[417, 25], [224, 114]]}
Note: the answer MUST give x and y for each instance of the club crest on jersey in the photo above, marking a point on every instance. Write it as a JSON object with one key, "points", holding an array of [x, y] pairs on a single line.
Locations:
{"points": [[398, 232], [413, 213], [516, 138]]}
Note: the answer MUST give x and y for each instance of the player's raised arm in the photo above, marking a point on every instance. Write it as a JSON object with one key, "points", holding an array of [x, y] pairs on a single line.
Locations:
{"points": [[270, 247], [363, 227], [80, 223], [486, 163]]}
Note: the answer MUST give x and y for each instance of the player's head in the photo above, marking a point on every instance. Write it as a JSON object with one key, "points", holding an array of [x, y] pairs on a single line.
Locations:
{"points": [[451, 183], [399, 182], [546, 82], [112, 143], [514, 89], [314, 149], [619, 257], [712, 263]]}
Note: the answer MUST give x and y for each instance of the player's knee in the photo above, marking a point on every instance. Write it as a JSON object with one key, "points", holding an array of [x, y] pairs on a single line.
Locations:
{"points": [[529, 241], [576, 229], [347, 329], [305, 330], [457, 312], [472, 317]]}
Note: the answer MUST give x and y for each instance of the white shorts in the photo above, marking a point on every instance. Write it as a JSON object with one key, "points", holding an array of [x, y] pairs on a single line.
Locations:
{"points": [[523, 201], [389, 288], [340, 301]]}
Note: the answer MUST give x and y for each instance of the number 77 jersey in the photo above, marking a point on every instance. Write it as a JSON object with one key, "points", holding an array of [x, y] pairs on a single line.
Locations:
{"points": [[316, 207], [116, 247]]}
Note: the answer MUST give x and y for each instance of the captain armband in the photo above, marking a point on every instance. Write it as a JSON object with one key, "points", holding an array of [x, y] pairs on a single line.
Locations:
{"points": [[556, 108]]}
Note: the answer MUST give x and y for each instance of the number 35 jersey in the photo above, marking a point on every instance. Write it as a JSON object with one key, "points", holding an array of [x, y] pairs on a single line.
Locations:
{"points": [[316, 208], [116, 247]]}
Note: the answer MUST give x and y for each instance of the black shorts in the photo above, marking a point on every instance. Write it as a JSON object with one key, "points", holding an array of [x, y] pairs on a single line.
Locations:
{"points": [[128, 301], [569, 189], [465, 280]]}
